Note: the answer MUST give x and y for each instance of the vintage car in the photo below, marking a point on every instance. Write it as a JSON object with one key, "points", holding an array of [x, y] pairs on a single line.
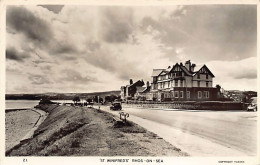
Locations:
{"points": [[116, 106], [253, 104]]}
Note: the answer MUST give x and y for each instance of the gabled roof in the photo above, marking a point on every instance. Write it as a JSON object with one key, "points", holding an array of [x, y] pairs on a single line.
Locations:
{"points": [[156, 72], [146, 89], [164, 71], [140, 89], [139, 81], [206, 68], [186, 71], [183, 68]]}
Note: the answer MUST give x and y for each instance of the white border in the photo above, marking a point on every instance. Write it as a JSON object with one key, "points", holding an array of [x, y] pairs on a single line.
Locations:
{"points": [[96, 160]]}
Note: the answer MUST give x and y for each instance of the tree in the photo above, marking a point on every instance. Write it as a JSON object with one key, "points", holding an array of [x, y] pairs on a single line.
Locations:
{"points": [[76, 99]]}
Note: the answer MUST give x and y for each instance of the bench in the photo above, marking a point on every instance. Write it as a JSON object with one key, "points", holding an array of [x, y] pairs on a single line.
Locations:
{"points": [[121, 118]]}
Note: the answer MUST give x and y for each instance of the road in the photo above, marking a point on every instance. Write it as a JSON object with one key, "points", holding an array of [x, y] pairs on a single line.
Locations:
{"points": [[201, 133]]}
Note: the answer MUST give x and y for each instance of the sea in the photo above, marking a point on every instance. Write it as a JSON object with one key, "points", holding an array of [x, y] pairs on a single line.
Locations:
{"points": [[23, 104], [20, 104]]}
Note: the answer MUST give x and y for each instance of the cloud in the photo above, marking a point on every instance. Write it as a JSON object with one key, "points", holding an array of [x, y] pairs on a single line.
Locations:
{"points": [[54, 8], [124, 67], [208, 31], [38, 79], [251, 74], [39, 33], [117, 24], [22, 20], [235, 74], [62, 47], [76, 77], [105, 46], [13, 54]]}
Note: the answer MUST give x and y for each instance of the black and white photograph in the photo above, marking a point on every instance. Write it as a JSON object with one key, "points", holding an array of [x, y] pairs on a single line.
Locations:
{"points": [[125, 83]]}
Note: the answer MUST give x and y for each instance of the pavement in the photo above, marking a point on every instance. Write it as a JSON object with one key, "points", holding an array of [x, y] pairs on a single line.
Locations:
{"points": [[200, 133]]}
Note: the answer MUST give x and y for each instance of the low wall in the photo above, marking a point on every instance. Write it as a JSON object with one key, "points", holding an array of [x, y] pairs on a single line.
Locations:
{"points": [[205, 105]]}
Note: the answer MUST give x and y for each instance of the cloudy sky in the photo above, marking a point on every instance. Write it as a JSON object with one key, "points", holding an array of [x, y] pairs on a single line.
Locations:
{"points": [[98, 48]]}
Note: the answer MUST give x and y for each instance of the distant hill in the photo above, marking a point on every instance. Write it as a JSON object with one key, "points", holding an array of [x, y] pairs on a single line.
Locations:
{"points": [[59, 96]]}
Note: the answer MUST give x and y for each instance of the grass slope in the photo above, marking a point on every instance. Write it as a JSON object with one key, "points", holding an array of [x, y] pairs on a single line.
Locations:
{"points": [[74, 131]]}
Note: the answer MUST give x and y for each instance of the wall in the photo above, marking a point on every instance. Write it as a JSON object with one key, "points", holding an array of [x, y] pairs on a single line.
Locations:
{"points": [[202, 80], [189, 105]]}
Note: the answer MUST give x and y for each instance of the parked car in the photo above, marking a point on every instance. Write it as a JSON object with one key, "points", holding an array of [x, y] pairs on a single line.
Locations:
{"points": [[116, 106], [253, 104]]}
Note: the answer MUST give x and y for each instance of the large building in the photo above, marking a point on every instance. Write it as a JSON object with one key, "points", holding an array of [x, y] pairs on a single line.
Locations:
{"points": [[181, 82], [129, 91]]}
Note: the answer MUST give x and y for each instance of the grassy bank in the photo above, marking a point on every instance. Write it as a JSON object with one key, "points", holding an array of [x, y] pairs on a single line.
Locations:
{"points": [[77, 131]]}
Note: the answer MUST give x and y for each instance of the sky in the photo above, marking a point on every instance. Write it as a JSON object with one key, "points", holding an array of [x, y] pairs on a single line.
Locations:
{"points": [[56, 48]]}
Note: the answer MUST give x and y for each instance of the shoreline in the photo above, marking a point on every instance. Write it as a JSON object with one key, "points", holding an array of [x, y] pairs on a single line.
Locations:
{"points": [[22, 130], [16, 109]]}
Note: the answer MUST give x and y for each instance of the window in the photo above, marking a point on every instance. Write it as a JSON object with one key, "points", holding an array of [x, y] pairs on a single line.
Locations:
{"points": [[199, 94], [207, 76], [176, 83], [188, 94], [198, 83], [176, 94], [206, 94], [207, 84], [181, 83], [181, 94], [198, 76], [168, 84]]}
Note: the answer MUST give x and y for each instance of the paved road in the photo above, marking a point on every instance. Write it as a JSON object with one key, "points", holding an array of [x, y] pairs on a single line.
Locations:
{"points": [[202, 133]]}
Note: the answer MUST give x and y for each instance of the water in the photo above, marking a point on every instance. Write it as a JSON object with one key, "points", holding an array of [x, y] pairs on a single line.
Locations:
{"points": [[20, 104], [62, 101]]}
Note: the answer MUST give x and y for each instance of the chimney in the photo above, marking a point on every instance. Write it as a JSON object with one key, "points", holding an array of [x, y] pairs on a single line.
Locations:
{"points": [[131, 81], [192, 67], [188, 65], [147, 84]]}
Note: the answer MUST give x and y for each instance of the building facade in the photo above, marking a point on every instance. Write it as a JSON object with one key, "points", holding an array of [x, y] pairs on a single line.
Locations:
{"points": [[144, 93], [129, 91], [182, 83]]}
